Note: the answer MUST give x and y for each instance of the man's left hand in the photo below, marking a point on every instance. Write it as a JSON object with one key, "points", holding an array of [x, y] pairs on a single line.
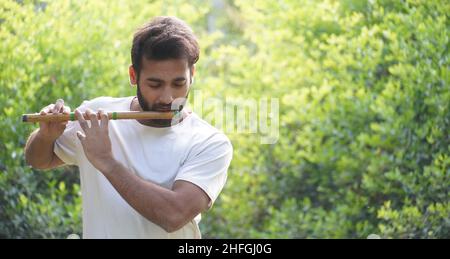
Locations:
{"points": [[95, 139]]}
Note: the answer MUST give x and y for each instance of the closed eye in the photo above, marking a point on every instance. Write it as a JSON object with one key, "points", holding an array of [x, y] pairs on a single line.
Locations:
{"points": [[154, 86], [154, 82], [179, 82]]}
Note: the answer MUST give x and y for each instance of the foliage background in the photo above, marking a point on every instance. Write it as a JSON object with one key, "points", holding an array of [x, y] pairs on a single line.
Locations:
{"points": [[364, 110]]}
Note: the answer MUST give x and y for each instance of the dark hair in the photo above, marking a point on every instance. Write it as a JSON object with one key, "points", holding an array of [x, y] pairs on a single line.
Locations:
{"points": [[163, 38]]}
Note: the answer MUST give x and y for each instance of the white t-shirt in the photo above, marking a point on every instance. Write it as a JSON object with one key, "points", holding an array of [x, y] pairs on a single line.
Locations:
{"points": [[191, 150]]}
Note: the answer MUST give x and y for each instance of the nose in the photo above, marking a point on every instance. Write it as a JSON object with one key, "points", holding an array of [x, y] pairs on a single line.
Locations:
{"points": [[166, 96]]}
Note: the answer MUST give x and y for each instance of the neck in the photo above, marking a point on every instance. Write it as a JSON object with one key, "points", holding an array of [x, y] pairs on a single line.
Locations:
{"points": [[134, 106]]}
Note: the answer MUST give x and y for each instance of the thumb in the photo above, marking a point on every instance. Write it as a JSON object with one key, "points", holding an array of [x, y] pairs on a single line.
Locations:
{"points": [[81, 136]]}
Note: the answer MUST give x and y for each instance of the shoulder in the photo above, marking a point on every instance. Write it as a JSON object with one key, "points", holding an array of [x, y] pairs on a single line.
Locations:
{"points": [[207, 137]]}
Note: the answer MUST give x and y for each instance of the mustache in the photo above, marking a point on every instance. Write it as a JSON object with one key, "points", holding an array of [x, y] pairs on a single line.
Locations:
{"points": [[162, 107]]}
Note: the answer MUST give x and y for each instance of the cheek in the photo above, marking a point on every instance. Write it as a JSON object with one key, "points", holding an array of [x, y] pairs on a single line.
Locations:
{"points": [[181, 92], [148, 93]]}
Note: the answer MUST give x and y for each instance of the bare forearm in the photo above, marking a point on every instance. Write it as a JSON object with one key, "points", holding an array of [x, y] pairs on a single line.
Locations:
{"points": [[152, 201], [39, 150]]}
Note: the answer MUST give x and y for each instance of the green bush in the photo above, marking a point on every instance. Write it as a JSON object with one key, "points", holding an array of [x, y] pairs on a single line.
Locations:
{"points": [[364, 144], [364, 110], [74, 50]]}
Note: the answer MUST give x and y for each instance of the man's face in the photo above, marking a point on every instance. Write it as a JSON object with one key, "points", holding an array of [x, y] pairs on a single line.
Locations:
{"points": [[162, 84]]}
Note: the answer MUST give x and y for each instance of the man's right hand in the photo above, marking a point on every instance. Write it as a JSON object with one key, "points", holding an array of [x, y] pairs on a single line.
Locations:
{"points": [[52, 130]]}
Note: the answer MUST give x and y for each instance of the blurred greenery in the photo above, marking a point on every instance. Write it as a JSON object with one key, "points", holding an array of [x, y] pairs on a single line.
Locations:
{"points": [[364, 110]]}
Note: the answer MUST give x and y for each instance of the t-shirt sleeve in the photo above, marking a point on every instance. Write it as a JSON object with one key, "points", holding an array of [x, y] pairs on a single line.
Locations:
{"points": [[67, 144], [207, 165]]}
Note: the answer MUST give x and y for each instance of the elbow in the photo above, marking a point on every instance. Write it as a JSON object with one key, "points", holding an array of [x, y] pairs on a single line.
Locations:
{"points": [[35, 165], [174, 222], [30, 162], [173, 225], [39, 167], [170, 229]]}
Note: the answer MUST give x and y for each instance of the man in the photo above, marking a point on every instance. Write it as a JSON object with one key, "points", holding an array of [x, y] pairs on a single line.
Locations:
{"points": [[146, 178]]}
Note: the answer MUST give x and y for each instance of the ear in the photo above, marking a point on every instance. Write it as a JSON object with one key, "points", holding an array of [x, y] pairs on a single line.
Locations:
{"points": [[132, 73]]}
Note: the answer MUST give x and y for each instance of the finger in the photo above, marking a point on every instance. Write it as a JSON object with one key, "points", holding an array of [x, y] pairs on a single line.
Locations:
{"points": [[58, 106], [93, 117], [104, 118], [81, 136], [81, 120], [48, 108], [66, 109]]}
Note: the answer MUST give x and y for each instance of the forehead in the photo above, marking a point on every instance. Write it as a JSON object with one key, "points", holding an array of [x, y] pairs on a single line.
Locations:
{"points": [[164, 67]]}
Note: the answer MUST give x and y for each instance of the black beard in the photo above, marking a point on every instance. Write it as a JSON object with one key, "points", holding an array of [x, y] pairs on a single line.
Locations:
{"points": [[142, 102], [145, 106]]}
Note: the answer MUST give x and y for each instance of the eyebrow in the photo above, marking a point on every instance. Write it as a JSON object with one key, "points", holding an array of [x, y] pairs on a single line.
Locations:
{"points": [[153, 79]]}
